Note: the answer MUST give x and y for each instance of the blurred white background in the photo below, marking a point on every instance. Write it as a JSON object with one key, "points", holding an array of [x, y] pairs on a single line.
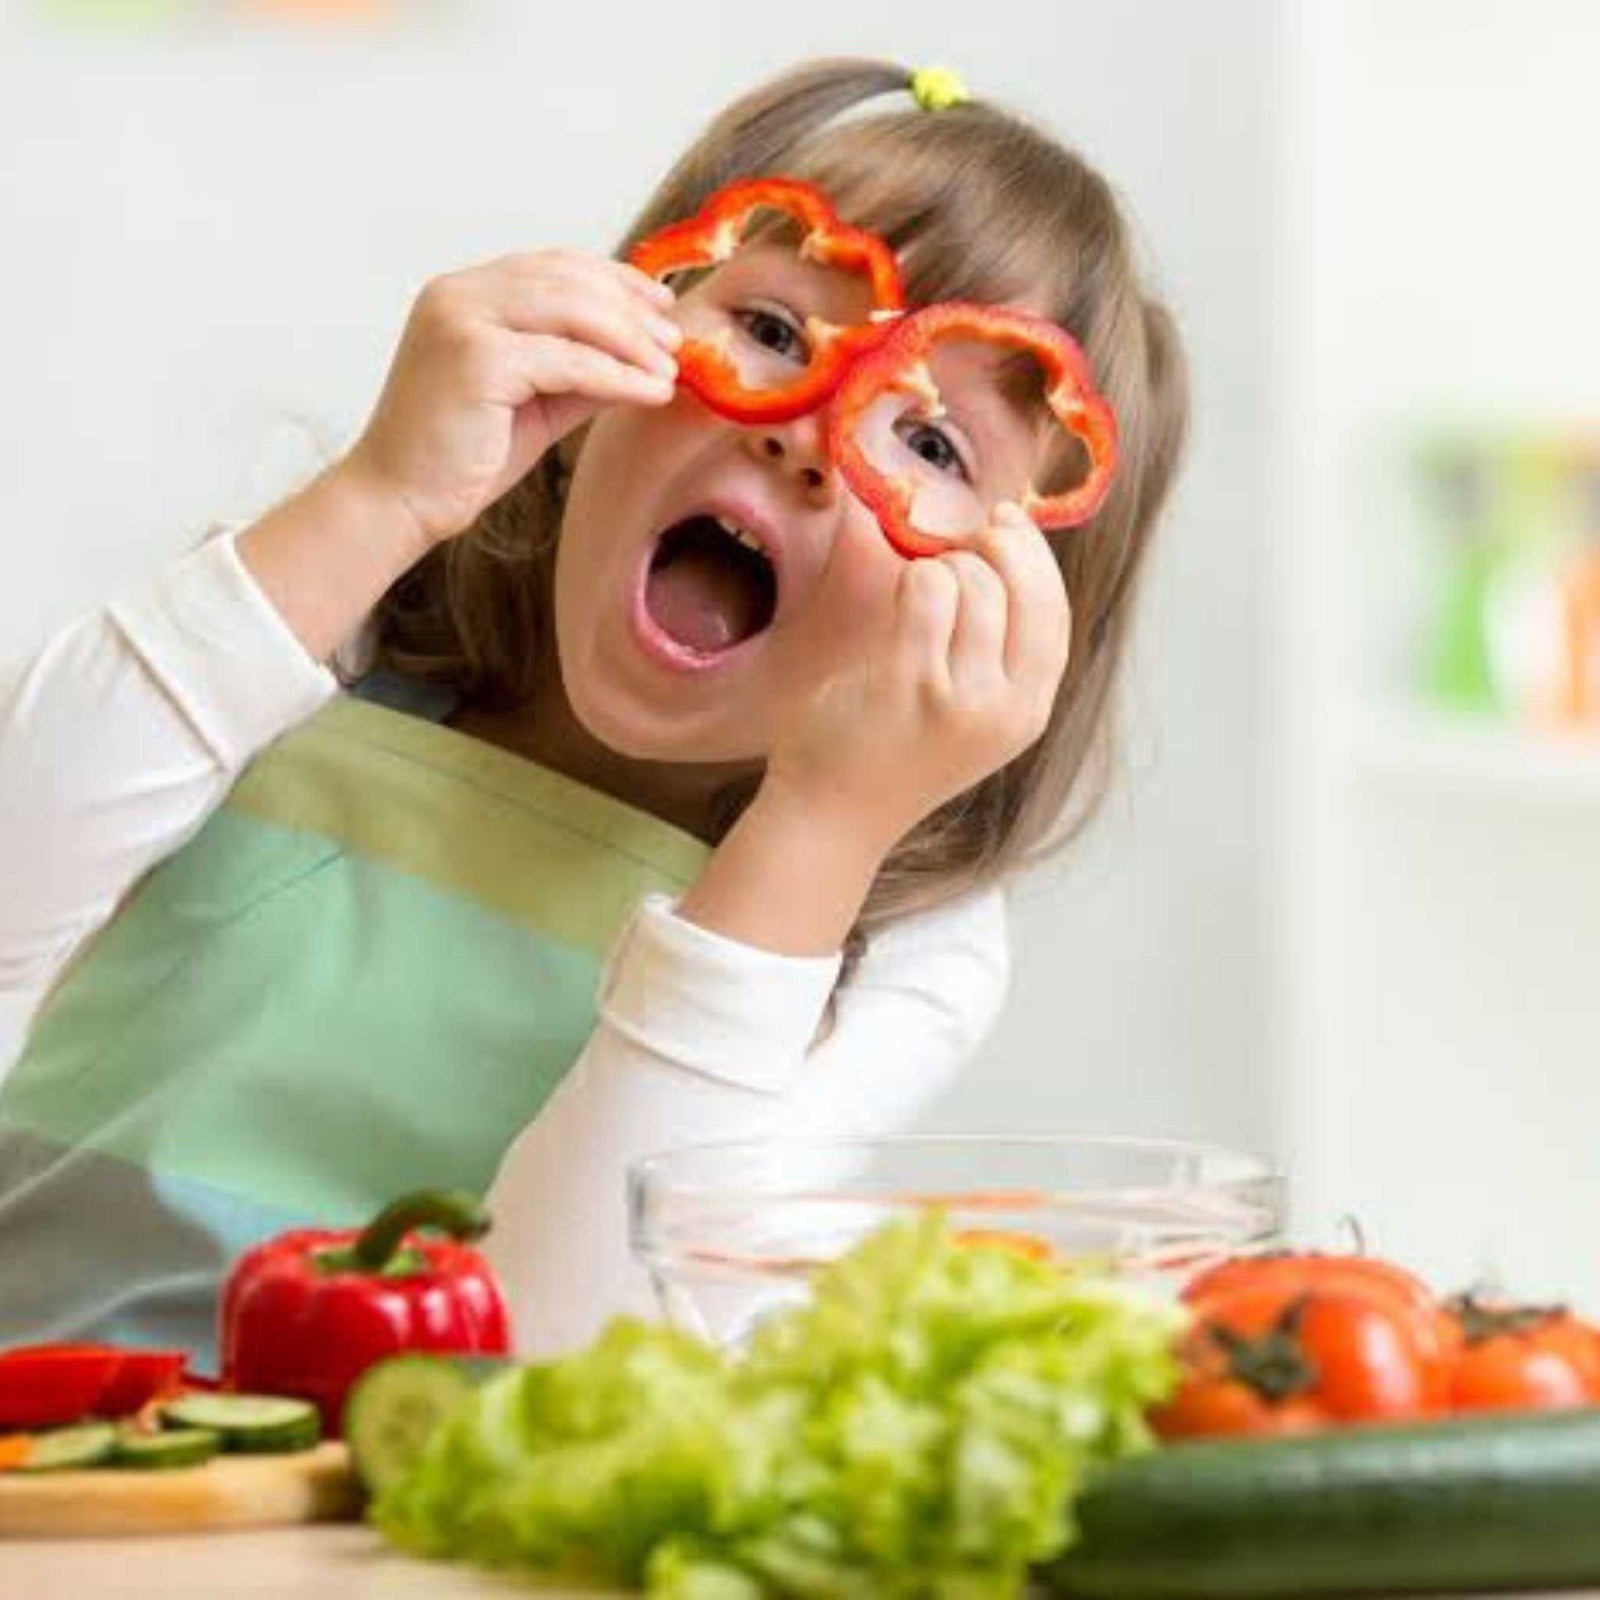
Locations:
{"points": [[1306, 923]]}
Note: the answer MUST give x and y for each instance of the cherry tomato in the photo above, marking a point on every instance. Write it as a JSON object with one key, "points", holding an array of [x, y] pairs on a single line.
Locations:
{"points": [[1222, 1405], [1367, 1276], [1275, 1359], [1313, 1270], [1523, 1358]]}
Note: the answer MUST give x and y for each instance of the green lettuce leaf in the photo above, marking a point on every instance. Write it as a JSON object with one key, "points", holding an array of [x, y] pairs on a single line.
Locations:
{"points": [[919, 1428]]}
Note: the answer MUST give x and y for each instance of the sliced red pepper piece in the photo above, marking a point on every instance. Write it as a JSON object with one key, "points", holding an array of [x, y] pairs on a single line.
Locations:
{"points": [[51, 1385], [1026, 1245], [715, 232], [900, 362], [710, 373], [141, 1376]]}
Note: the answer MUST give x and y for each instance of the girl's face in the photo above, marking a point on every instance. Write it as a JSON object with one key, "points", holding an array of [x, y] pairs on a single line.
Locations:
{"points": [[679, 641]]}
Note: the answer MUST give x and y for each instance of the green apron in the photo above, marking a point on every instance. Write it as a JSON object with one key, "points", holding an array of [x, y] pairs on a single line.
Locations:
{"points": [[367, 973]]}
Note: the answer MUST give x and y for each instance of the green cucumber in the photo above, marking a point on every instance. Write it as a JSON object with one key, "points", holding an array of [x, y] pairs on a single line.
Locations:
{"points": [[1461, 1505], [181, 1447], [260, 1424], [396, 1404], [61, 1449]]}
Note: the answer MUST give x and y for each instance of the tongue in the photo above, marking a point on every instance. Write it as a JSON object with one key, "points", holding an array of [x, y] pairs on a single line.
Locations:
{"points": [[702, 601]]}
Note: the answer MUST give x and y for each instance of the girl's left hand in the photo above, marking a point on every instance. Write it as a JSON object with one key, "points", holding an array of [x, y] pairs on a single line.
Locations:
{"points": [[961, 679]]}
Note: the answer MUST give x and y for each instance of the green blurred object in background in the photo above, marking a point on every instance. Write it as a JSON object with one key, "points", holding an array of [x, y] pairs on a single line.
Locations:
{"points": [[1515, 530], [159, 13], [118, 13], [1458, 673]]}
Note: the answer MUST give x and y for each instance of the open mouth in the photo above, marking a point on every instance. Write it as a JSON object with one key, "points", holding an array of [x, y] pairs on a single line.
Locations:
{"points": [[711, 585]]}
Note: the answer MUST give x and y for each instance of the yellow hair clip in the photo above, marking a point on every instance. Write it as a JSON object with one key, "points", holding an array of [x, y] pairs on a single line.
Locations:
{"points": [[937, 89]]}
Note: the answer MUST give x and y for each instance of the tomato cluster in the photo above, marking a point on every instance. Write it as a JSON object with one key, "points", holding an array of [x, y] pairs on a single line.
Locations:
{"points": [[1295, 1342]]}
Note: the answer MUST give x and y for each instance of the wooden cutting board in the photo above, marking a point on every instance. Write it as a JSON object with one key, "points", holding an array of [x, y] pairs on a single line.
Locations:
{"points": [[226, 1492]]}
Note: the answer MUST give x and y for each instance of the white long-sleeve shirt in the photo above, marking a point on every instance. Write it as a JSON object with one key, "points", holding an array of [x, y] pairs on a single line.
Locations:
{"points": [[124, 732]]}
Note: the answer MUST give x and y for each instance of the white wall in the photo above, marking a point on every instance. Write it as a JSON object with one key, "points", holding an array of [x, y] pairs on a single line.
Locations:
{"points": [[1445, 907], [209, 232]]}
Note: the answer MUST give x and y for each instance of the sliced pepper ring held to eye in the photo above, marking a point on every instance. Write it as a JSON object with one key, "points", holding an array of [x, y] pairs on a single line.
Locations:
{"points": [[714, 233], [899, 363]]}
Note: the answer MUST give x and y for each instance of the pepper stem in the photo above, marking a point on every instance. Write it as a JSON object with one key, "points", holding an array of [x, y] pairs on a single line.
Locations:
{"points": [[452, 1211]]}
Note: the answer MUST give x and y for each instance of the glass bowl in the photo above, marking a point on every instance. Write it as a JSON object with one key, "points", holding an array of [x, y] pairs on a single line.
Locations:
{"points": [[731, 1232]]}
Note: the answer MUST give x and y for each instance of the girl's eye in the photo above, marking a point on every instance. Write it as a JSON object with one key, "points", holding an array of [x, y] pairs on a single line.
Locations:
{"points": [[775, 333], [933, 444]]}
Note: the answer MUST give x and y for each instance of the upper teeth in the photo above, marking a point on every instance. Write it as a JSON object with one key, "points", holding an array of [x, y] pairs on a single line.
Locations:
{"points": [[743, 535]]}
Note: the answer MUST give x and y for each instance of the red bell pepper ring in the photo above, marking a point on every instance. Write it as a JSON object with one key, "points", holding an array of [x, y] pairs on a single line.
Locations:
{"points": [[307, 1313], [899, 362], [51, 1385], [714, 233]]}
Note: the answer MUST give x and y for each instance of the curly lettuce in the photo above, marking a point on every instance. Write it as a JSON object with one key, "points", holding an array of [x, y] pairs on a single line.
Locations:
{"points": [[919, 1428]]}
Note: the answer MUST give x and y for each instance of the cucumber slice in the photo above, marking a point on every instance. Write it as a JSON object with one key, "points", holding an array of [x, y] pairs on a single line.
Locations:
{"points": [[182, 1447], [396, 1404], [62, 1448], [261, 1424]]}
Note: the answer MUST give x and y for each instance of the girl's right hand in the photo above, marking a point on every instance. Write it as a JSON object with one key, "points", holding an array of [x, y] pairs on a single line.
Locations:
{"points": [[959, 678], [500, 361]]}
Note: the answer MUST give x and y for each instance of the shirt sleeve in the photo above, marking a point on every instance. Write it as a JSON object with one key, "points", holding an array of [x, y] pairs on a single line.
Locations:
{"points": [[121, 735], [701, 1038]]}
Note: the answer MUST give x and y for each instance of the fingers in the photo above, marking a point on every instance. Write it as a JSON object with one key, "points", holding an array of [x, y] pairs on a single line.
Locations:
{"points": [[645, 341], [997, 609], [926, 604], [590, 300], [978, 638], [528, 365], [641, 283], [1039, 615], [553, 266], [595, 307]]}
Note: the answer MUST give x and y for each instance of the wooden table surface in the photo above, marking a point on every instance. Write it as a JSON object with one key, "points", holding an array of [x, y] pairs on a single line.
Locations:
{"points": [[307, 1563], [310, 1563]]}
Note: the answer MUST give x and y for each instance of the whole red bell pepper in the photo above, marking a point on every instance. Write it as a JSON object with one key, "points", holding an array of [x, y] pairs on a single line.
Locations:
{"points": [[714, 233], [308, 1312], [899, 361]]}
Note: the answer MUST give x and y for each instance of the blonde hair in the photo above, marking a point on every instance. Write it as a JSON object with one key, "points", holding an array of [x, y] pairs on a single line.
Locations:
{"points": [[979, 205]]}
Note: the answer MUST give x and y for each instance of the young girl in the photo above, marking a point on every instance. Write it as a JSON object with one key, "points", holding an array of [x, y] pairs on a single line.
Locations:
{"points": [[611, 849]]}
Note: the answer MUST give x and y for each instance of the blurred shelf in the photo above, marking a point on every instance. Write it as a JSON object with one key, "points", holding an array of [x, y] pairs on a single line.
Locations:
{"points": [[1475, 755]]}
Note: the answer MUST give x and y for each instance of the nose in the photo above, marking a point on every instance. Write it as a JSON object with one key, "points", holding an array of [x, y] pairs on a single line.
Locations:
{"points": [[799, 450]]}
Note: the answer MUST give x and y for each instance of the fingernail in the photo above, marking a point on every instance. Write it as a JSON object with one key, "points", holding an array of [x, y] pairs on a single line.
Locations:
{"points": [[662, 292], [669, 333], [664, 363]]}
